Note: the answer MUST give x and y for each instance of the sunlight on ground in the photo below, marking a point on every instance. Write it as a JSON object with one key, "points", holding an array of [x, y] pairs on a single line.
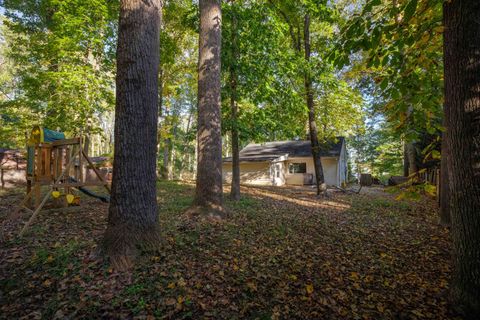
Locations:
{"points": [[314, 203]]}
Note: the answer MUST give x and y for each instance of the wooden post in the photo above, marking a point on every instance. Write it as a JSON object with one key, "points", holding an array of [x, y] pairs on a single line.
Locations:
{"points": [[35, 213], [80, 164], [29, 192], [96, 171], [67, 160]]}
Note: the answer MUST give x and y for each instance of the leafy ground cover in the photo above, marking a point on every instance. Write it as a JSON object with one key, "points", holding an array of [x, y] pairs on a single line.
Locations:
{"points": [[283, 254]]}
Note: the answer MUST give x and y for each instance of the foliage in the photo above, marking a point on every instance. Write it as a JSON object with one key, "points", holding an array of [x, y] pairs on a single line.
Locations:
{"points": [[375, 151], [271, 72], [395, 47], [64, 61]]}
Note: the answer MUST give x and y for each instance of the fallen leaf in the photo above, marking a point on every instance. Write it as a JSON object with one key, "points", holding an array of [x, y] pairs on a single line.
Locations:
{"points": [[309, 288]]}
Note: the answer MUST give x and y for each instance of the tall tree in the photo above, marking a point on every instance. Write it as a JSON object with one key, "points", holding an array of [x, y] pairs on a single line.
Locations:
{"points": [[209, 190], [312, 125], [462, 111], [235, 188], [133, 212], [297, 16]]}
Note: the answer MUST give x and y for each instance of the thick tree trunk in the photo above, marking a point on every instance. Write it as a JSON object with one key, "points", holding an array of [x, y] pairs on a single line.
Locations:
{"points": [[209, 191], [319, 178], [462, 110], [235, 189], [133, 212], [444, 201]]}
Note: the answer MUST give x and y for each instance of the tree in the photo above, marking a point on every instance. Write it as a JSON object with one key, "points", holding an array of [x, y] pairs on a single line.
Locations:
{"points": [[444, 196], [312, 125], [233, 81], [462, 112], [297, 17], [177, 85], [209, 189], [396, 45], [133, 212]]}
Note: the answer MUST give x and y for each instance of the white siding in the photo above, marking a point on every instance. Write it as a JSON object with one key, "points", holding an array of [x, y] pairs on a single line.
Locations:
{"points": [[330, 171], [250, 173], [276, 173]]}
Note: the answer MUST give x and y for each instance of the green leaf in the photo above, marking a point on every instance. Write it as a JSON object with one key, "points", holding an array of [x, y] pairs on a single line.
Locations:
{"points": [[368, 7], [410, 9]]}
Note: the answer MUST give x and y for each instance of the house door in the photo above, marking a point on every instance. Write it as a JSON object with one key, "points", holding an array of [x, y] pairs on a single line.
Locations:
{"points": [[277, 175]]}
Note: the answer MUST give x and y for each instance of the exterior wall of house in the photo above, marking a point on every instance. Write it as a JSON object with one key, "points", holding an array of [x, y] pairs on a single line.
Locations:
{"points": [[257, 173], [329, 171], [276, 172]]}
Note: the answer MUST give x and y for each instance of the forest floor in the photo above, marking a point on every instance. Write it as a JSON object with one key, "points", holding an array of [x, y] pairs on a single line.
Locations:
{"points": [[283, 254]]}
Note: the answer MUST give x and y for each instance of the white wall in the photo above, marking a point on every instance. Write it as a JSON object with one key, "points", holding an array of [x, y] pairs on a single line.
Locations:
{"points": [[278, 173], [264, 173], [257, 173], [329, 170]]}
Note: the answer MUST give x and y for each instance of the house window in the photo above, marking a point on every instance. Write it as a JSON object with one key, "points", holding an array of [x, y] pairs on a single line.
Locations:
{"points": [[297, 167]]}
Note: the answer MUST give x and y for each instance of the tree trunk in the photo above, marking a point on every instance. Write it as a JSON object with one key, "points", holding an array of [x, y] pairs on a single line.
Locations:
{"points": [[444, 200], [235, 189], [405, 159], [319, 178], [160, 113], [171, 165], [462, 111], [133, 212], [412, 158], [86, 148], [86, 143], [209, 191], [166, 159]]}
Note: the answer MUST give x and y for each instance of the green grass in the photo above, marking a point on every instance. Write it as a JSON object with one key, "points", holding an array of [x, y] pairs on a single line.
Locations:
{"points": [[57, 260]]}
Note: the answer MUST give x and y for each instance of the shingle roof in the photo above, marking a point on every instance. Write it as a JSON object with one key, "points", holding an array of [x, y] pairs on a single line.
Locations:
{"points": [[271, 150]]}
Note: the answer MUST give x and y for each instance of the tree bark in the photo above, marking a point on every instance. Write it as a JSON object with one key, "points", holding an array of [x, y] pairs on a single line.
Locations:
{"points": [[166, 159], [444, 200], [319, 178], [412, 158], [209, 189], [235, 188], [462, 111], [160, 113], [133, 212], [405, 159]]}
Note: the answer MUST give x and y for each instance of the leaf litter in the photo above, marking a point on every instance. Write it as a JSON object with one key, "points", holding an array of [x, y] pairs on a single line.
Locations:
{"points": [[282, 254]]}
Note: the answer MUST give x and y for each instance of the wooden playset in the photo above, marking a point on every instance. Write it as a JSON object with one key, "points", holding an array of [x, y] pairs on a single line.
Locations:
{"points": [[56, 162]]}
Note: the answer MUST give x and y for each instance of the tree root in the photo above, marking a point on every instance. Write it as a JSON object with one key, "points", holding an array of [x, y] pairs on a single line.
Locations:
{"points": [[211, 214], [122, 244]]}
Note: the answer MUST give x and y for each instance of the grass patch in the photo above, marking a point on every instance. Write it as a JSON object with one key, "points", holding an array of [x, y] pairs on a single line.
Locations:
{"points": [[58, 260]]}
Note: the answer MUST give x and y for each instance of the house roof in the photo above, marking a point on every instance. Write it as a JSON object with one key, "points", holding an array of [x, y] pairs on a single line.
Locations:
{"points": [[272, 150]]}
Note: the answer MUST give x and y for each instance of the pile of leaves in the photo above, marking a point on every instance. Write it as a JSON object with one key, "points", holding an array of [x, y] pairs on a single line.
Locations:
{"points": [[282, 254]]}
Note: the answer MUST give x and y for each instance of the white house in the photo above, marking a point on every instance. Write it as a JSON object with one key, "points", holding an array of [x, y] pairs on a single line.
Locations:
{"points": [[281, 163]]}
